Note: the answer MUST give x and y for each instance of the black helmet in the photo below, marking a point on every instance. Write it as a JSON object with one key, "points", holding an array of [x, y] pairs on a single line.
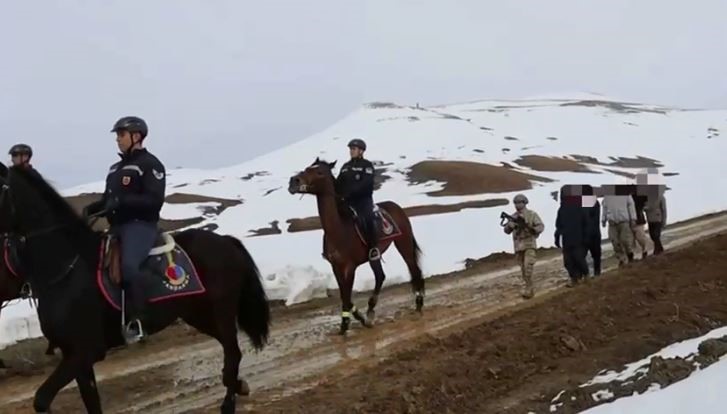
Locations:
{"points": [[131, 124], [22, 149], [358, 143]]}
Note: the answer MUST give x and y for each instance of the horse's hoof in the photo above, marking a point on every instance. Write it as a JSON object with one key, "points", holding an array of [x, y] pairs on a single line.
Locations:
{"points": [[228, 405], [420, 303], [370, 316], [242, 388]]}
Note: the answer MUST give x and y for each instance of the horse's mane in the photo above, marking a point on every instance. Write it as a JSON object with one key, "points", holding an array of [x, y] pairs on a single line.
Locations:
{"points": [[57, 203]]}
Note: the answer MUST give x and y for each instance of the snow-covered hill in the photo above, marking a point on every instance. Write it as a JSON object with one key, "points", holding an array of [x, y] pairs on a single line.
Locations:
{"points": [[434, 155], [470, 159]]}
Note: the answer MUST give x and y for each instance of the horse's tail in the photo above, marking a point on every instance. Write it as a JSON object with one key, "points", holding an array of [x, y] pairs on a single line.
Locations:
{"points": [[253, 309], [417, 279], [409, 251]]}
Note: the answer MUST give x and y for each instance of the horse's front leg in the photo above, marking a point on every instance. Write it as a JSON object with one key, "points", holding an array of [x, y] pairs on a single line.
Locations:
{"points": [[67, 370], [374, 299]]}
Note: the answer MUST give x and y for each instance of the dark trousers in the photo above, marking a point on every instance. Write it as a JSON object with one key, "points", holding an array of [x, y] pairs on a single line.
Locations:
{"points": [[365, 211], [137, 239], [574, 260], [655, 234], [594, 248]]}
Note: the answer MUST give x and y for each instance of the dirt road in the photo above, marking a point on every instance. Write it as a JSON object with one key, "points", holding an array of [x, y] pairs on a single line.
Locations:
{"points": [[179, 371]]}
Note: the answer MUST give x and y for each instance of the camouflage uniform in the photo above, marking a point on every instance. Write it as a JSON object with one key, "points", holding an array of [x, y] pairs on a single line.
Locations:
{"points": [[524, 242]]}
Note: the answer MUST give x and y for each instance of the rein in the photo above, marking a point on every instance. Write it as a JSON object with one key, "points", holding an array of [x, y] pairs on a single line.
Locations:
{"points": [[27, 288]]}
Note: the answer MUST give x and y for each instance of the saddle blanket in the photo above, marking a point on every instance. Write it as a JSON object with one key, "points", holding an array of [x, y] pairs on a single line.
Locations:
{"points": [[170, 272], [386, 227]]}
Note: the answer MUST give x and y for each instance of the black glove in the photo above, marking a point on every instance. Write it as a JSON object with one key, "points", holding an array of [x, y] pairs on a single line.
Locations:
{"points": [[557, 242], [112, 204]]}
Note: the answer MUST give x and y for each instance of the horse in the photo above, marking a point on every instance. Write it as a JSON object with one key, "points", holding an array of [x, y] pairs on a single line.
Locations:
{"points": [[13, 284], [61, 259], [344, 247]]}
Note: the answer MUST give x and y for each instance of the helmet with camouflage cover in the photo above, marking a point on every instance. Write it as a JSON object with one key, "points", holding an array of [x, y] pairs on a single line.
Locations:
{"points": [[520, 198]]}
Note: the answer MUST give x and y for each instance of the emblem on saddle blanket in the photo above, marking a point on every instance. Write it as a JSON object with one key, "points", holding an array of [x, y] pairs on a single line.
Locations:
{"points": [[170, 273], [385, 225]]}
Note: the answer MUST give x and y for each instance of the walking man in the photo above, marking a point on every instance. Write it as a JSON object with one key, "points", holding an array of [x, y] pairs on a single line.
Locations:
{"points": [[620, 214], [525, 229], [639, 227], [656, 216], [571, 224], [593, 240]]}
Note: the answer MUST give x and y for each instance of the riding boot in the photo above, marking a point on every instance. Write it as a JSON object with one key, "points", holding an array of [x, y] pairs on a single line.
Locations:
{"points": [[134, 328], [373, 242]]}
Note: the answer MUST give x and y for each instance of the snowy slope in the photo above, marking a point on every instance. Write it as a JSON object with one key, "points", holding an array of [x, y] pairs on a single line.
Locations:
{"points": [[701, 392], [686, 142]]}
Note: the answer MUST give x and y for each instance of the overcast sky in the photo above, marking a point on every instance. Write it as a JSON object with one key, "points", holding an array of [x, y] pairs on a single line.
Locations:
{"points": [[221, 82]]}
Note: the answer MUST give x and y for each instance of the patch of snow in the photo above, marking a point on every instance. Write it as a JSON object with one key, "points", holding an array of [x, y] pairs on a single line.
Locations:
{"points": [[681, 349], [702, 392], [602, 395]]}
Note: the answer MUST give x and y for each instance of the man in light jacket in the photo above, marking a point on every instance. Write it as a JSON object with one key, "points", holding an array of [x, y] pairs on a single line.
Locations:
{"points": [[655, 209], [620, 213]]}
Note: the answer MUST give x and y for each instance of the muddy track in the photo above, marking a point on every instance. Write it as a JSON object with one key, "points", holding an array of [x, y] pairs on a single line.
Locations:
{"points": [[180, 371]]}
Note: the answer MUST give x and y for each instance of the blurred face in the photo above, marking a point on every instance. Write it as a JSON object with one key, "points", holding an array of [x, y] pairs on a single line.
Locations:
{"points": [[125, 140], [519, 205], [355, 152], [18, 158]]}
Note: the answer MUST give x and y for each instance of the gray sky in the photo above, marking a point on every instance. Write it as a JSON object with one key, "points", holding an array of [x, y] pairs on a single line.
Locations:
{"points": [[221, 82]]}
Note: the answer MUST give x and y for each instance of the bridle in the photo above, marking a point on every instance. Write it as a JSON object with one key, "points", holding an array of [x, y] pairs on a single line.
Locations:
{"points": [[6, 195]]}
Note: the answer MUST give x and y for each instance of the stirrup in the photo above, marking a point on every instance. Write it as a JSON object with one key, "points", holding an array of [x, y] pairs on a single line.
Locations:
{"points": [[374, 254], [132, 336]]}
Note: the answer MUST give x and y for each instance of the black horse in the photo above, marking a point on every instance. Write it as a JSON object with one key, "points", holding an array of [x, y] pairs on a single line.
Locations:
{"points": [[60, 258]]}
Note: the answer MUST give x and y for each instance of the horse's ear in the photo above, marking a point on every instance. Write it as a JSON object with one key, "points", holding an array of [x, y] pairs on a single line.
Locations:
{"points": [[332, 165], [3, 170], [316, 161]]}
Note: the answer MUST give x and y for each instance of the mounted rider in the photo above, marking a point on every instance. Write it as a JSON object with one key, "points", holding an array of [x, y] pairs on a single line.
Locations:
{"points": [[355, 185], [133, 198], [20, 156]]}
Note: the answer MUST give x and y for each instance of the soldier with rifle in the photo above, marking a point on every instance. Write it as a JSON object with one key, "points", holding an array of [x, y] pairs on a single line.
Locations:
{"points": [[525, 226]]}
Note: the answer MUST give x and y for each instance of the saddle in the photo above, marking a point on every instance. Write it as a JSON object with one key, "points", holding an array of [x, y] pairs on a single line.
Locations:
{"points": [[386, 227], [169, 274], [112, 254]]}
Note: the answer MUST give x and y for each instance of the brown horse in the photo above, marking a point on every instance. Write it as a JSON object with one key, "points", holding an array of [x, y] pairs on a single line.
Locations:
{"points": [[345, 249]]}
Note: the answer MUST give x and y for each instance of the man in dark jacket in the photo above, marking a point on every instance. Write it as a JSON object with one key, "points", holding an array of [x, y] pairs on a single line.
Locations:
{"points": [[133, 198], [20, 156], [572, 225], [355, 184], [593, 240]]}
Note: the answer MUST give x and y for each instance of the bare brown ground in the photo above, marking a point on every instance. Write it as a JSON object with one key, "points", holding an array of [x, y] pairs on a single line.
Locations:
{"points": [[178, 370], [80, 201], [622, 162], [314, 223], [541, 163], [470, 178], [518, 362], [267, 231]]}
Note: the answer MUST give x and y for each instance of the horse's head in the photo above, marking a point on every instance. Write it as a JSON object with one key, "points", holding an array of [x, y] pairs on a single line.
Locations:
{"points": [[29, 204], [316, 179]]}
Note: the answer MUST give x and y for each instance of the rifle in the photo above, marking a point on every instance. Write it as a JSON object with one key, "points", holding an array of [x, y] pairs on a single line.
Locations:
{"points": [[519, 221]]}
